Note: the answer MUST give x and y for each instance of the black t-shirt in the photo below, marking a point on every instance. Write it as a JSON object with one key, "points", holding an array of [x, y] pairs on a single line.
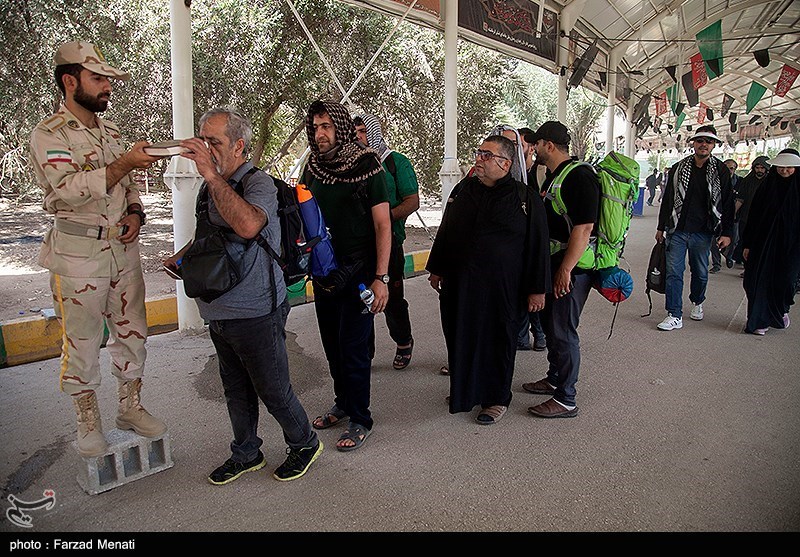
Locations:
{"points": [[580, 192], [695, 215]]}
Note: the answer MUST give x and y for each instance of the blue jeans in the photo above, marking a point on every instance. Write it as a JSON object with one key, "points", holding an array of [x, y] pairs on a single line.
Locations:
{"points": [[560, 319], [531, 322], [253, 364], [698, 244]]}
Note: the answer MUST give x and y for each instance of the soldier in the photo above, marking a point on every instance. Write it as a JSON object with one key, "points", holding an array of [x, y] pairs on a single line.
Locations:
{"points": [[92, 250]]}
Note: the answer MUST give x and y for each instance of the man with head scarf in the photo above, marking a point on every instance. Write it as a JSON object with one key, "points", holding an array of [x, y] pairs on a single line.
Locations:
{"points": [[748, 186], [697, 201], [348, 182], [771, 246], [401, 183], [519, 169]]}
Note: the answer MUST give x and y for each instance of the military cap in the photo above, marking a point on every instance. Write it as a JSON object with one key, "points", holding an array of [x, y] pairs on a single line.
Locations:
{"points": [[88, 56]]}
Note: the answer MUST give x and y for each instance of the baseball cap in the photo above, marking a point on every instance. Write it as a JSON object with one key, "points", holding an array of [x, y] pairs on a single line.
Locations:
{"points": [[88, 56], [552, 131]]}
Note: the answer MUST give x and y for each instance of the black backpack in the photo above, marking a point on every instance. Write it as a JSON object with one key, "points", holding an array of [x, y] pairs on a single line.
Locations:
{"points": [[294, 258], [656, 280]]}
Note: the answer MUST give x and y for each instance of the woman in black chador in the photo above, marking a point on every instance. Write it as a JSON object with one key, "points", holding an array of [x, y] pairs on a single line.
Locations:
{"points": [[772, 246]]}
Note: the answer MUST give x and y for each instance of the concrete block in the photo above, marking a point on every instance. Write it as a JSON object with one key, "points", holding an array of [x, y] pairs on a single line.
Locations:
{"points": [[129, 458]]}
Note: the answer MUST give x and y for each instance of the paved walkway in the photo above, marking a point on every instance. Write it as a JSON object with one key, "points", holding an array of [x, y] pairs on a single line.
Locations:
{"points": [[691, 430]]}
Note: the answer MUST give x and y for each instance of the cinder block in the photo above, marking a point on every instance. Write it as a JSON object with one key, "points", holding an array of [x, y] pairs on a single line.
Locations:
{"points": [[129, 458]]}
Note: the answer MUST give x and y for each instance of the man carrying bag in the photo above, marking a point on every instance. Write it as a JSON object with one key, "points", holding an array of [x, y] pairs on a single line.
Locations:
{"points": [[246, 322]]}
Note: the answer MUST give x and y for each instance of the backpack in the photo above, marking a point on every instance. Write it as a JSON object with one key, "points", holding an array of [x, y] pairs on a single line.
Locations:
{"points": [[656, 280], [295, 247], [619, 189]]}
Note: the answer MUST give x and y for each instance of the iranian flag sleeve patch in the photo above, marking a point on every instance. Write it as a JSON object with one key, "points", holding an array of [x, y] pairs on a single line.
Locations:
{"points": [[58, 155]]}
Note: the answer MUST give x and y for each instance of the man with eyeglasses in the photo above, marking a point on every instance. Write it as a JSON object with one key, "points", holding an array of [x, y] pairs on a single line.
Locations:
{"points": [[695, 205], [489, 263]]}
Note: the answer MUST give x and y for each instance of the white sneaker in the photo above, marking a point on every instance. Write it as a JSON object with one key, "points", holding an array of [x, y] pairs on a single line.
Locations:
{"points": [[697, 312], [670, 323]]}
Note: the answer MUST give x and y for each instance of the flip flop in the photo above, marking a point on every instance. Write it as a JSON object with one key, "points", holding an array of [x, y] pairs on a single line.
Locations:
{"points": [[444, 370], [326, 421], [355, 433]]}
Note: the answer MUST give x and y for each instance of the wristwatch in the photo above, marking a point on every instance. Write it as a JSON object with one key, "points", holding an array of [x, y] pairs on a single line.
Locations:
{"points": [[137, 212], [383, 278]]}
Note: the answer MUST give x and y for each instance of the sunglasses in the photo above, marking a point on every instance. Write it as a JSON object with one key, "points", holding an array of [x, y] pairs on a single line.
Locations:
{"points": [[488, 155], [706, 140]]}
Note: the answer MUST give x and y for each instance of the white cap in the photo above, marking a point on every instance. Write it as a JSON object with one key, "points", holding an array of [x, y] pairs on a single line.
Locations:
{"points": [[708, 135], [785, 159]]}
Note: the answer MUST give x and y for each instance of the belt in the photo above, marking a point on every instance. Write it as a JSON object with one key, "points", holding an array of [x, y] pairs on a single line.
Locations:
{"points": [[96, 232]]}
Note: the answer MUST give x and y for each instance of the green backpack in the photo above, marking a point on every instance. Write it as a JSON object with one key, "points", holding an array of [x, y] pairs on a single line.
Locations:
{"points": [[619, 189]]}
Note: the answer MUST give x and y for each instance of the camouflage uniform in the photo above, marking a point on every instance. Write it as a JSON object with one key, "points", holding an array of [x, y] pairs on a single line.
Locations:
{"points": [[92, 274]]}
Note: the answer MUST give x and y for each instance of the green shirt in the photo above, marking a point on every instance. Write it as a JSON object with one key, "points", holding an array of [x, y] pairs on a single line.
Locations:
{"points": [[402, 184], [348, 217]]}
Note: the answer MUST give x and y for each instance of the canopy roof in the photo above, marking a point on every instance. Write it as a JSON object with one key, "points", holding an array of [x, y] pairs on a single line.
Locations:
{"points": [[648, 40]]}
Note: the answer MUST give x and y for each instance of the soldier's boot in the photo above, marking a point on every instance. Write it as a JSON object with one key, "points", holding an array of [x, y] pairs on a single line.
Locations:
{"points": [[91, 441], [131, 414]]}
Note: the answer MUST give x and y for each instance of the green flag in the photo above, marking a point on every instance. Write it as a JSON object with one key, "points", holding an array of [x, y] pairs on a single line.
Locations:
{"points": [[754, 95], [709, 42], [672, 95], [679, 120]]}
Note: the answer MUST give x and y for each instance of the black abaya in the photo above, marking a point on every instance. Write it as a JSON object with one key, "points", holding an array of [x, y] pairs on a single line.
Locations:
{"points": [[491, 256], [773, 263]]}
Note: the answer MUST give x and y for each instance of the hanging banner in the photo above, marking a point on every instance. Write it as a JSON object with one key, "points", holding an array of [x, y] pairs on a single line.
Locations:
{"points": [[786, 80], [511, 22], [701, 113], [661, 103], [679, 120], [691, 92], [754, 95], [727, 101], [699, 76], [672, 95], [709, 42]]}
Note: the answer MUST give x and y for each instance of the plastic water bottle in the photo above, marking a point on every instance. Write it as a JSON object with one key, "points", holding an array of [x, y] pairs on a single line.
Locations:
{"points": [[367, 296]]}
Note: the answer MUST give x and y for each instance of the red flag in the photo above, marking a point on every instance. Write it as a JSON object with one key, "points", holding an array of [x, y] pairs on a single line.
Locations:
{"points": [[701, 113], [699, 75], [786, 80], [661, 104]]}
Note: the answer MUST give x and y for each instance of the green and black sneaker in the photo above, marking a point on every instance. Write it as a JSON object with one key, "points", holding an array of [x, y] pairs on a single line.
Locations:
{"points": [[298, 462], [231, 470]]}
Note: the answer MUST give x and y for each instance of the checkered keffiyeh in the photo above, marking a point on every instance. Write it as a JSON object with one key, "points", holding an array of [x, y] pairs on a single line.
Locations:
{"points": [[683, 174], [348, 161], [375, 135]]}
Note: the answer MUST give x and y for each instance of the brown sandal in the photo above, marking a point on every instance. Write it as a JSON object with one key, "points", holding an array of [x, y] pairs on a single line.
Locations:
{"points": [[491, 415]]}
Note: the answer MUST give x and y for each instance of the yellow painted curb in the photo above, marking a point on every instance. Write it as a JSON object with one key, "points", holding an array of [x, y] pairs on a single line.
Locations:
{"points": [[30, 339]]}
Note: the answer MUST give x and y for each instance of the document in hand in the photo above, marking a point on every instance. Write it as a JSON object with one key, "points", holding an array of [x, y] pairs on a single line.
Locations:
{"points": [[165, 148]]}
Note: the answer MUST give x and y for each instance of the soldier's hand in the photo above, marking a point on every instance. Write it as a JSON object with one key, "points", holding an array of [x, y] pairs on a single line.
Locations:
{"points": [[137, 158], [133, 222]]}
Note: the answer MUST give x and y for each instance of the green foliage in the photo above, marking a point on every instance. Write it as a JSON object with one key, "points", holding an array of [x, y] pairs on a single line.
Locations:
{"points": [[254, 55]]}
